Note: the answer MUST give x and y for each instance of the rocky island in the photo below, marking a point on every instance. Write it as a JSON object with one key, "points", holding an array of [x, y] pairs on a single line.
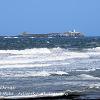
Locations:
{"points": [[68, 34]]}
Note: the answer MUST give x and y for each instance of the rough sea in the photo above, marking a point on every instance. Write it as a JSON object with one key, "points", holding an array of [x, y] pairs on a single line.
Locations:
{"points": [[49, 66]]}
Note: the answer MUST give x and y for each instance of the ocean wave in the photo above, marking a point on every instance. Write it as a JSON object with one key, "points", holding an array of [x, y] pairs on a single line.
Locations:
{"points": [[85, 70], [8, 37], [87, 77], [77, 55], [59, 73], [34, 95], [26, 51], [32, 74], [43, 57], [81, 77], [94, 86], [96, 49], [50, 37], [22, 65], [52, 50]]}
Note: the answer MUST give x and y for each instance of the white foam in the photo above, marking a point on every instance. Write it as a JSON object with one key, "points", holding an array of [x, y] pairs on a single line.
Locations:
{"points": [[50, 37], [94, 54], [52, 51], [31, 37], [77, 55], [82, 77], [42, 73], [41, 57], [55, 52], [15, 37], [15, 61], [68, 54], [59, 73], [88, 77], [34, 95], [31, 73], [48, 42], [16, 65], [7, 37], [26, 74], [26, 51], [86, 70], [95, 85], [96, 49]]}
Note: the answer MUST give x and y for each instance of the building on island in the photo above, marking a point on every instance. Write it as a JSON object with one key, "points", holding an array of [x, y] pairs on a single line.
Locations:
{"points": [[73, 33]]}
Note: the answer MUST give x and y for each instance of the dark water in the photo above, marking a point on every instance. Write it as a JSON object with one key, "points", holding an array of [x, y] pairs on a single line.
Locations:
{"points": [[20, 42], [51, 66]]}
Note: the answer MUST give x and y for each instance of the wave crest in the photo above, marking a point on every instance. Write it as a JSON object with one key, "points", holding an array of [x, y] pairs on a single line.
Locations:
{"points": [[32, 74]]}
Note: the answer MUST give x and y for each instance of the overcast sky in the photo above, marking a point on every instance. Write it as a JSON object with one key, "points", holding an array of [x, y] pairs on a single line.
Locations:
{"points": [[43, 16]]}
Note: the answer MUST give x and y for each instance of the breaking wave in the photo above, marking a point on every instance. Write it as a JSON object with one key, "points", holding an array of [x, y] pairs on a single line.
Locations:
{"points": [[87, 77], [26, 51], [31, 73], [43, 57], [48, 65], [57, 50], [34, 95], [94, 86]]}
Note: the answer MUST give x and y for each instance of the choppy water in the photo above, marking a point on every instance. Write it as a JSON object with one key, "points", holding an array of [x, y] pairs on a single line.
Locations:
{"points": [[48, 66]]}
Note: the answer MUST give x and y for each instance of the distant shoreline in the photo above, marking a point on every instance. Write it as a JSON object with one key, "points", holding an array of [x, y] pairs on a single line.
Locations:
{"points": [[67, 34]]}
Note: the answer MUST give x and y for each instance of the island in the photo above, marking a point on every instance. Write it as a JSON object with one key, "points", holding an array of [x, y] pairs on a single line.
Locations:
{"points": [[67, 34]]}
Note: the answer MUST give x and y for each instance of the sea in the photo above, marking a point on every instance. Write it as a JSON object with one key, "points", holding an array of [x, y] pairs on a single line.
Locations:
{"points": [[49, 66]]}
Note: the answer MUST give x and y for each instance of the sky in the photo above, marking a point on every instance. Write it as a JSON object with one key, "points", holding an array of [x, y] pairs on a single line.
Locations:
{"points": [[44, 16]]}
